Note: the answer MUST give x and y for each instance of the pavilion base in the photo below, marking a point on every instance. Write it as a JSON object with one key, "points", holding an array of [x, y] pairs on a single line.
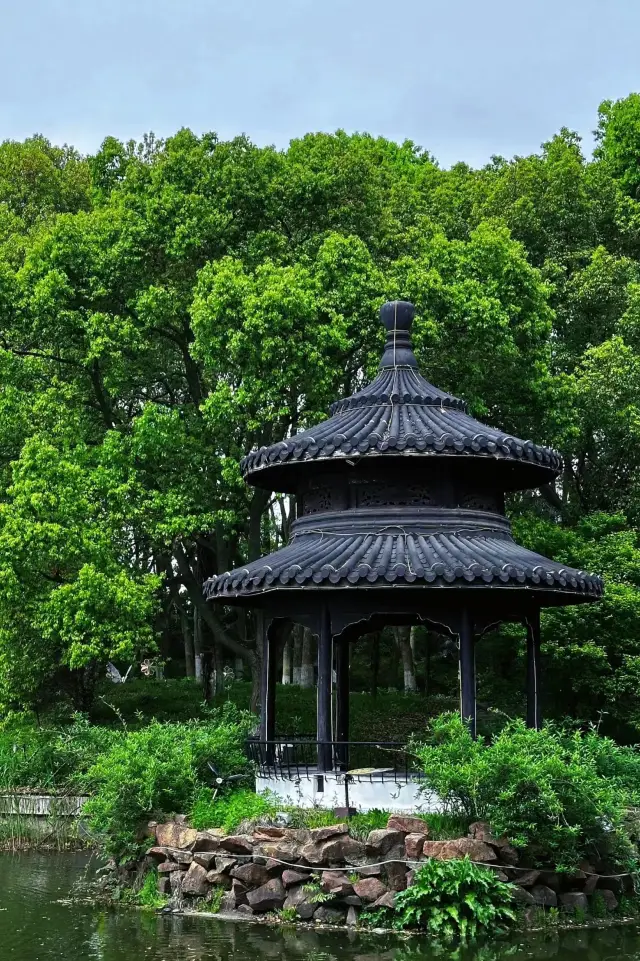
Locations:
{"points": [[400, 793]]}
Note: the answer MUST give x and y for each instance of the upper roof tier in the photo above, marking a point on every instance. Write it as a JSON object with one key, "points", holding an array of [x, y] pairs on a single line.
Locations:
{"points": [[400, 415]]}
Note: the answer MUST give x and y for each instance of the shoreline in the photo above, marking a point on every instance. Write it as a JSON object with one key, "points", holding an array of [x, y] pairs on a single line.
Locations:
{"points": [[522, 927], [565, 924]]}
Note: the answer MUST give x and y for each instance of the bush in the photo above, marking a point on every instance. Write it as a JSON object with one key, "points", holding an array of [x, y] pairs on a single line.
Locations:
{"points": [[455, 899], [159, 770], [561, 794], [51, 758]]}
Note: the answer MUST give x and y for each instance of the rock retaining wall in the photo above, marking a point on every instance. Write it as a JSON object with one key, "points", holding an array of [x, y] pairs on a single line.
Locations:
{"points": [[327, 876]]}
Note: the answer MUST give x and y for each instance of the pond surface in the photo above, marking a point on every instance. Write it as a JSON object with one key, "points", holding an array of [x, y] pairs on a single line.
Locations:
{"points": [[38, 923]]}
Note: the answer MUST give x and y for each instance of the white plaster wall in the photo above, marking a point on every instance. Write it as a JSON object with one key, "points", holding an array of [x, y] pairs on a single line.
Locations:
{"points": [[398, 796]]}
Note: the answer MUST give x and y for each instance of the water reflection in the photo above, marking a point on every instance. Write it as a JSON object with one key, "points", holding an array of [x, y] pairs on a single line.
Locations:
{"points": [[38, 923]]}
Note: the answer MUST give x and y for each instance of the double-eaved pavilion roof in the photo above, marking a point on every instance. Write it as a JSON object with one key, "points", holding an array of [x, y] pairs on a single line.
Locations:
{"points": [[398, 415]]}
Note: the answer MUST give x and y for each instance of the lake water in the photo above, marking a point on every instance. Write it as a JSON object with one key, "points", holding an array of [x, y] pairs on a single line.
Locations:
{"points": [[38, 923]]}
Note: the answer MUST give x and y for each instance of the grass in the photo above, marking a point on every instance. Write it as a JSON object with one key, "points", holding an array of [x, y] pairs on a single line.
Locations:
{"points": [[443, 827], [229, 810]]}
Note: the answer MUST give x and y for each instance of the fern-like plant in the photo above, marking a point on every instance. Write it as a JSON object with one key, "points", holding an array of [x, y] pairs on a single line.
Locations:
{"points": [[314, 893], [455, 900]]}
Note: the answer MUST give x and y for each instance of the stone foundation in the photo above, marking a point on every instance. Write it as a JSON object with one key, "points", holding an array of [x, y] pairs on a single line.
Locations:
{"points": [[324, 875]]}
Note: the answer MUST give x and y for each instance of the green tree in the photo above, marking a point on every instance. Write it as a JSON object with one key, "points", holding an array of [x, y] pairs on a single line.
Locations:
{"points": [[162, 305]]}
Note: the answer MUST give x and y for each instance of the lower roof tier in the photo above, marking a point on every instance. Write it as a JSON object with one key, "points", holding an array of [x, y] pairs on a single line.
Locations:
{"points": [[466, 549]]}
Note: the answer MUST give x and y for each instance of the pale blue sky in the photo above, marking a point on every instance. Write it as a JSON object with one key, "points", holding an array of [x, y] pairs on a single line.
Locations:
{"points": [[463, 78]]}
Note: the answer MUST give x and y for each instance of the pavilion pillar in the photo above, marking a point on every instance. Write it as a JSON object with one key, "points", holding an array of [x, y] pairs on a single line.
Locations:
{"points": [[342, 649], [534, 717], [325, 672], [268, 687], [467, 671]]}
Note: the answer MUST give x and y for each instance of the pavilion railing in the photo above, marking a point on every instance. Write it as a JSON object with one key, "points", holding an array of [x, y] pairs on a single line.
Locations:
{"points": [[297, 757]]}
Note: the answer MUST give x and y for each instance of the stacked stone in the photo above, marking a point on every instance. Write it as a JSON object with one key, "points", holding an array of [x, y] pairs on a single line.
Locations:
{"points": [[324, 875]]}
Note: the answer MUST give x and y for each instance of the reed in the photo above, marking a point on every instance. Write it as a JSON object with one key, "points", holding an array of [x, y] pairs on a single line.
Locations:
{"points": [[19, 832]]}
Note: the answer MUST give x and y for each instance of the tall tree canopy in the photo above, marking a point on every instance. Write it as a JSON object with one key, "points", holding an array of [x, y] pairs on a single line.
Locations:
{"points": [[165, 306]]}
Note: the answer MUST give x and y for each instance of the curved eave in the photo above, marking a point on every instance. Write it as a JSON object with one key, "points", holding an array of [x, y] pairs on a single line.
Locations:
{"points": [[410, 560], [397, 429], [286, 475]]}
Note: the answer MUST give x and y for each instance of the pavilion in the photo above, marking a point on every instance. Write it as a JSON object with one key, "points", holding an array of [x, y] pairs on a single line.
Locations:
{"points": [[400, 499]]}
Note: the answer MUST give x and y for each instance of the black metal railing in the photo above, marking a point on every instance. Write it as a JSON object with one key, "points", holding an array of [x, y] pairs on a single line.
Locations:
{"points": [[297, 757]]}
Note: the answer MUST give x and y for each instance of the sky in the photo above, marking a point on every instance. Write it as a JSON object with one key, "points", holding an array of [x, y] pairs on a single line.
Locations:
{"points": [[465, 79]]}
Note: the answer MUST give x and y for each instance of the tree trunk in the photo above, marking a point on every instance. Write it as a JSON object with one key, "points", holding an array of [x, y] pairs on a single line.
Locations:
{"points": [[217, 673], [297, 654], [394, 661], [206, 615], [198, 672], [238, 669], [403, 640], [375, 662], [257, 507], [287, 654], [256, 668], [307, 673], [194, 590], [427, 663], [206, 667], [189, 652]]}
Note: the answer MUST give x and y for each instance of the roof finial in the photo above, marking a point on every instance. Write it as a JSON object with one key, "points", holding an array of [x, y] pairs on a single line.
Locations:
{"points": [[397, 317]]}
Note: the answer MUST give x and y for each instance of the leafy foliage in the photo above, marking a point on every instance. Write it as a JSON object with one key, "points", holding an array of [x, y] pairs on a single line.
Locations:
{"points": [[158, 770], [561, 794], [314, 892], [149, 296], [455, 900], [51, 759], [147, 896]]}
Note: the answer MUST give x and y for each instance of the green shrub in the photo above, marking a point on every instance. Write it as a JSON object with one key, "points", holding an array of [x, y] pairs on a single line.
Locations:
{"points": [[314, 892], [140, 699], [561, 794], [227, 811], [455, 899], [51, 758], [159, 770]]}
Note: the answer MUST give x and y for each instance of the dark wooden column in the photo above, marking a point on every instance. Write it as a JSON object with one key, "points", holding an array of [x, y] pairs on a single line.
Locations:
{"points": [[467, 671], [325, 661], [534, 717], [342, 649], [268, 691]]}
